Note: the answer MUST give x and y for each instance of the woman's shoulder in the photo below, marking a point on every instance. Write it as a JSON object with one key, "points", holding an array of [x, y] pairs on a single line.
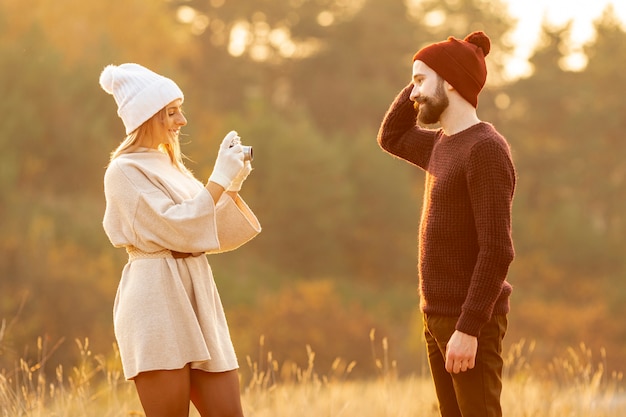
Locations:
{"points": [[120, 167], [137, 162], [131, 168]]}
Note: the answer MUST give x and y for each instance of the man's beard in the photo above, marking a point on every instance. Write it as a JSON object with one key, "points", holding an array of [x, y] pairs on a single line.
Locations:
{"points": [[429, 109]]}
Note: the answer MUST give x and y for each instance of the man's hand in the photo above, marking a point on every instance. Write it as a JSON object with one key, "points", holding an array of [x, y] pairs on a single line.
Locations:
{"points": [[461, 352]]}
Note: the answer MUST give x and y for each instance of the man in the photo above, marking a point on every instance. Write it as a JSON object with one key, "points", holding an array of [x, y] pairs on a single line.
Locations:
{"points": [[465, 245]]}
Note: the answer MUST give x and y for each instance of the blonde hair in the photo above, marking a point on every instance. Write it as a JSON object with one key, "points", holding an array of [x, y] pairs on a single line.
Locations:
{"points": [[153, 127]]}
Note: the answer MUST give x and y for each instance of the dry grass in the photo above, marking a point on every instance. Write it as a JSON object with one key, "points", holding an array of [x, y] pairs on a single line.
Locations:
{"points": [[571, 386]]}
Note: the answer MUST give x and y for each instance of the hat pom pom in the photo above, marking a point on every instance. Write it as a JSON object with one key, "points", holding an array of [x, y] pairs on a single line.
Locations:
{"points": [[481, 40], [107, 78]]}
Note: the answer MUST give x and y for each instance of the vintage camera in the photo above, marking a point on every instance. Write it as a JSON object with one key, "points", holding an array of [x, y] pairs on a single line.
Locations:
{"points": [[248, 155]]}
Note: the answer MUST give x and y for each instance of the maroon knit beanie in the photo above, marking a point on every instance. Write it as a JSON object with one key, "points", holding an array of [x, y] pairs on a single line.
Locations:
{"points": [[460, 62]]}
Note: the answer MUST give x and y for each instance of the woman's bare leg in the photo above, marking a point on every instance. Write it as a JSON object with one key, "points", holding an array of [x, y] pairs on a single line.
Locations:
{"points": [[164, 393], [216, 394]]}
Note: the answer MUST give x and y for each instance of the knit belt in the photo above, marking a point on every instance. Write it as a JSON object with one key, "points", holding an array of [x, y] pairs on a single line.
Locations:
{"points": [[135, 253], [182, 255]]}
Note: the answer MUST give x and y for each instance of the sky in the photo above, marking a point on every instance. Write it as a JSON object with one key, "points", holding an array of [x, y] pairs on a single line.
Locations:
{"points": [[531, 13]]}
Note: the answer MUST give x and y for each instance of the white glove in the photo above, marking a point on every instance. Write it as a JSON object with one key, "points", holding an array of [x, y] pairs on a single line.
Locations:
{"points": [[229, 161], [241, 177]]}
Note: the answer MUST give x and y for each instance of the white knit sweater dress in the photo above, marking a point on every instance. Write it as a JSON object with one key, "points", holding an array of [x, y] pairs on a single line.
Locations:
{"points": [[167, 311]]}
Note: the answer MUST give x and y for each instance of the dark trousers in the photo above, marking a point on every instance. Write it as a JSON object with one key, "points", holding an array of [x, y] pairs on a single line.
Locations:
{"points": [[476, 392]]}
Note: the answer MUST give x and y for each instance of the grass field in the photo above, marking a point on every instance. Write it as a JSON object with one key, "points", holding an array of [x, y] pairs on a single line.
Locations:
{"points": [[571, 386]]}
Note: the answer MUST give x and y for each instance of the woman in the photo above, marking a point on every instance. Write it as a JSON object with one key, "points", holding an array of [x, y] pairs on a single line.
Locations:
{"points": [[168, 317]]}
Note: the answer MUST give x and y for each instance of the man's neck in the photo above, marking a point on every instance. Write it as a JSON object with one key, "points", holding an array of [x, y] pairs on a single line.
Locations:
{"points": [[457, 118]]}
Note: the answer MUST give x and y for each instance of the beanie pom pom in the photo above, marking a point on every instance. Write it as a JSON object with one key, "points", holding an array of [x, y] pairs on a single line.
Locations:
{"points": [[481, 40], [107, 78]]}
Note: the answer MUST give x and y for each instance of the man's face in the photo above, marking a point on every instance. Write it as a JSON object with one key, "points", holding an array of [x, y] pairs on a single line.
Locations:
{"points": [[429, 94]]}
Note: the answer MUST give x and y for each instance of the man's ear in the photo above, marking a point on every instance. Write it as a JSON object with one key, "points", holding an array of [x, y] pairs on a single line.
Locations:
{"points": [[448, 86]]}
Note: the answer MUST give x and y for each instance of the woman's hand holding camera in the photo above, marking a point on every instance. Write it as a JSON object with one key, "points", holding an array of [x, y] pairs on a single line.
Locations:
{"points": [[229, 162], [241, 177]]}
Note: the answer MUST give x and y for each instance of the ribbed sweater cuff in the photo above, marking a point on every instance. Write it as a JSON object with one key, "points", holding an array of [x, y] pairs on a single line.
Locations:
{"points": [[470, 324]]}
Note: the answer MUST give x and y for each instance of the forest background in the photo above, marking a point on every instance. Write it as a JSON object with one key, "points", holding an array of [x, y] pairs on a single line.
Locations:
{"points": [[306, 83]]}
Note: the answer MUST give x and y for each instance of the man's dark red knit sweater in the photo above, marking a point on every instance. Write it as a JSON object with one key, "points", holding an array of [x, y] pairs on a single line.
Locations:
{"points": [[465, 245]]}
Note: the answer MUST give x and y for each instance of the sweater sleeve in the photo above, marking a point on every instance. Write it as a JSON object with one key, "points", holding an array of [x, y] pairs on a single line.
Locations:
{"points": [[236, 224], [399, 134], [491, 183], [189, 226]]}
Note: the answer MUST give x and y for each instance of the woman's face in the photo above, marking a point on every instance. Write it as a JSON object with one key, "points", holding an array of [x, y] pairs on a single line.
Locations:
{"points": [[174, 118]]}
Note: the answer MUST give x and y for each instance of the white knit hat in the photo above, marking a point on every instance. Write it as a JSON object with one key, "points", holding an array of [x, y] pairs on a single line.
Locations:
{"points": [[138, 92]]}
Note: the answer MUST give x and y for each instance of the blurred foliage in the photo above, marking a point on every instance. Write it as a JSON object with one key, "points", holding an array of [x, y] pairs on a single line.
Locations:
{"points": [[306, 83]]}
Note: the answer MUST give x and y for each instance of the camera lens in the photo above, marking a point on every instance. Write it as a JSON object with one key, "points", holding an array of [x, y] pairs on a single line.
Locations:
{"points": [[248, 155]]}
